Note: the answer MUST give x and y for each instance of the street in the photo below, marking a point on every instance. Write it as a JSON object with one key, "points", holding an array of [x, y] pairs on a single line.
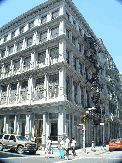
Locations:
{"points": [[108, 157]]}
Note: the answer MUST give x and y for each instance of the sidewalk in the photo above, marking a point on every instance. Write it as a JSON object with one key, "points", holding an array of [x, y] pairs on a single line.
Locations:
{"points": [[96, 151]]}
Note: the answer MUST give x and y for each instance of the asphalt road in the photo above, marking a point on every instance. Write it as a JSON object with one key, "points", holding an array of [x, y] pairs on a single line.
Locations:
{"points": [[109, 157]]}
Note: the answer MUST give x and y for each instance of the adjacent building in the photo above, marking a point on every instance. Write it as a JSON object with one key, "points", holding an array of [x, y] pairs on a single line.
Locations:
{"points": [[52, 70]]}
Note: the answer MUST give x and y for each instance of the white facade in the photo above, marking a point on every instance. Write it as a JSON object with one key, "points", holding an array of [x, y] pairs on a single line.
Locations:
{"points": [[45, 78]]}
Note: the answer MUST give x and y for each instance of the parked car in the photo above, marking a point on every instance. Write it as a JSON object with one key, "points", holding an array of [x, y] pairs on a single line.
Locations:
{"points": [[115, 144], [18, 143]]}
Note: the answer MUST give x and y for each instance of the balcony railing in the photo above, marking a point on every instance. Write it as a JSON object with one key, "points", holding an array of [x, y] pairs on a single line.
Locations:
{"points": [[13, 94], [24, 94], [3, 97], [39, 92]]}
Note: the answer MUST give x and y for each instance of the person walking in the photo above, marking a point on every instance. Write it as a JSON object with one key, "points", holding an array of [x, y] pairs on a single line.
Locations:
{"points": [[73, 145], [67, 146], [48, 147], [62, 148]]}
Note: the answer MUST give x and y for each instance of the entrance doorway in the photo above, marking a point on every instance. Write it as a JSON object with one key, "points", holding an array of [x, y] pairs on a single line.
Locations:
{"points": [[23, 129], [53, 134]]}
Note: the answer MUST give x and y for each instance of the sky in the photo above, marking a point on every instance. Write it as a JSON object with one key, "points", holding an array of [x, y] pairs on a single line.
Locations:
{"points": [[104, 17]]}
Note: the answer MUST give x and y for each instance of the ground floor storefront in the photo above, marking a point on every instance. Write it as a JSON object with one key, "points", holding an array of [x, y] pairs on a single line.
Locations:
{"points": [[56, 120]]}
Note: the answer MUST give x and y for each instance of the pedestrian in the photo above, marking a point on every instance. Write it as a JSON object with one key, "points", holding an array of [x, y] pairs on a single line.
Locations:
{"points": [[67, 146], [73, 145], [48, 147], [62, 148]]}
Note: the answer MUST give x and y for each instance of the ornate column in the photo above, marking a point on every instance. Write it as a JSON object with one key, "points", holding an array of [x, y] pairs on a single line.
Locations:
{"points": [[73, 125], [61, 122], [47, 127], [44, 130]]}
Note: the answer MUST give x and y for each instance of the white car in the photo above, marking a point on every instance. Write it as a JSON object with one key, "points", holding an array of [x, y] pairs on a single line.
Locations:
{"points": [[18, 143]]}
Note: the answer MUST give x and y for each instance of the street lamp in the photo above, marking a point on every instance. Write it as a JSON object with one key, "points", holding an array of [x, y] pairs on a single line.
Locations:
{"points": [[92, 111]]}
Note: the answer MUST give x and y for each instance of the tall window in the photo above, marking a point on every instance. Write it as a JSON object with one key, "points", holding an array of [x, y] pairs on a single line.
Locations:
{"points": [[67, 56], [75, 92], [31, 25], [11, 49], [55, 32], [55, 14], [74, 40], [74, 63], [21, 29], [53, 86], [68, 87], [67, 15], [41, 58], [29, 41], [80, 65], [67, 33], [43, 37], [19, 47], [3, 54], [39, 89], [44, 19], [6, 38], [54, 54], [13, 34]]}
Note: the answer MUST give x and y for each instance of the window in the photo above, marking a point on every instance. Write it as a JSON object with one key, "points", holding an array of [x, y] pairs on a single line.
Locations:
{"points": [[55, 32], [74, 63], [11, 49], [67, 33], [74, 23], [74, 40], [4, 88], [44, 19], [19, 47], [29, 41], [16, 64], [67, 15], [41, 57], [67, 56], [21, 29], [80, 68], [12, 137], [79, 47], [27, 61], [55, 14], [1, 136], [13, 34], [31, 25], [43, 37], [75, 92], [24, 84], [53, 86], [6, 137], [39, 89], [68, 87], [14, 87], [5, 38], [3, 53], [54, 54]]}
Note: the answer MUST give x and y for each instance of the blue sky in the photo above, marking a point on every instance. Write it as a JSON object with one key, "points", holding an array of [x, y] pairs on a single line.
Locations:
{"points": [[104, 18]]}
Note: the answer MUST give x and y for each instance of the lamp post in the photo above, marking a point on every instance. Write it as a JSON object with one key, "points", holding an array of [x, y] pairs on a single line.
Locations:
{"points": [[92, 111]]}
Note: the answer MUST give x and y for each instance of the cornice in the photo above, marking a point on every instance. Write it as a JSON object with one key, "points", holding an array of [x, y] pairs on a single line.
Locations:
{"points": [[30, 14]]}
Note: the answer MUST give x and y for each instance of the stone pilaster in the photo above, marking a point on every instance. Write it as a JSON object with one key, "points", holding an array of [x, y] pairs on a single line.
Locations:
{"points": [[44, 130], [61, 122], [62, 51], [62, 83]]}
